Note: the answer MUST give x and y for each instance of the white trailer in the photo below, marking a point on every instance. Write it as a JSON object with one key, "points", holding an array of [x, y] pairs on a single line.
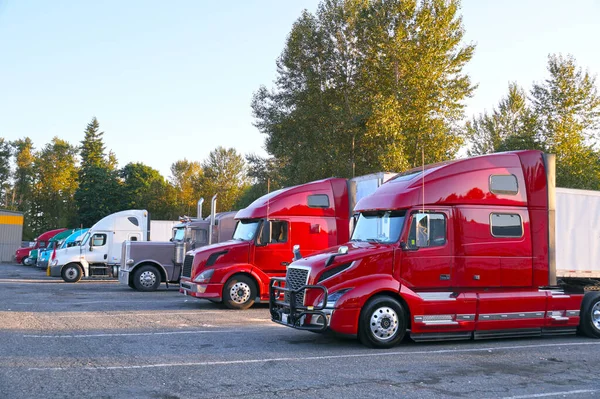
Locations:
{"points": [[577, 233]]}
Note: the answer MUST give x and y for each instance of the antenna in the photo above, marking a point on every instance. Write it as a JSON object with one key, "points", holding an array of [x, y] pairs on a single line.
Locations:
{"points": [[423, 175], [268, 198]]}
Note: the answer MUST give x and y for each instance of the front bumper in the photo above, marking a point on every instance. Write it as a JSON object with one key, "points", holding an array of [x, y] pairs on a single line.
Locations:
{"points": [[42, 264], [207, 291], [292, 314], [55, 270]]}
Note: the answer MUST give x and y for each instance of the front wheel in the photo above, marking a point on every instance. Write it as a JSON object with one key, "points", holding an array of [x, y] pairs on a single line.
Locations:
{"points": [[589, 322], [239, 292], [146, 278], [24, 261], [71, 273], [382, 322]]}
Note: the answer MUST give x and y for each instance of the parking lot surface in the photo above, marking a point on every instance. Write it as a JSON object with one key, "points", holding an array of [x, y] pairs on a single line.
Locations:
{"points": [[99, 339]]}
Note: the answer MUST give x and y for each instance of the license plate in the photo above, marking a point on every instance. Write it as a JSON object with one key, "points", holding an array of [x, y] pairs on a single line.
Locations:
{"points": [[284, 318]]}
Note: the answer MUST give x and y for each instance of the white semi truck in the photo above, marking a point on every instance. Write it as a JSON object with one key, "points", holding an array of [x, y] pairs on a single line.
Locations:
{"points": [[99, 253]]}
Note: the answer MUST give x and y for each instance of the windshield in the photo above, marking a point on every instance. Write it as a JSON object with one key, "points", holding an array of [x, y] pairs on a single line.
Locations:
{"points": [[179, 234], [245, 230], [379, 226]]}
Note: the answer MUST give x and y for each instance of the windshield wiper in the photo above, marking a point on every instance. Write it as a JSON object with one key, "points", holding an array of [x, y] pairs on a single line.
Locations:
{"points": [[374, 240]]}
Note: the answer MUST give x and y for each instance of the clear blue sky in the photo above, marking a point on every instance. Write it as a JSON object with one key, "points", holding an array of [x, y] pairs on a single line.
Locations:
{"points": [[173, 80]]}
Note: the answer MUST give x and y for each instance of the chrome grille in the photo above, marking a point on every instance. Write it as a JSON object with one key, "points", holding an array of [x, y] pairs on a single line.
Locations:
{"points": [[294, 279], [187, 266]]}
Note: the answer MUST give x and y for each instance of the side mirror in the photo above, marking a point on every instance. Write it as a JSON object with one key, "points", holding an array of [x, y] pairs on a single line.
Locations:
{"points": [[296, 252], [265, 234]]}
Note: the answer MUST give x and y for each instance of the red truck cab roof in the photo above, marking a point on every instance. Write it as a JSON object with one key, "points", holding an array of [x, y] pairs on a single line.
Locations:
{"points": [[294, 201], [465, 182]]}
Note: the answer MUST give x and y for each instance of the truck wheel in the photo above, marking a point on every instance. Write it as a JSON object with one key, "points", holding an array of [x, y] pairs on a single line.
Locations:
{"points": [[25, 260], [382, 323], [589, 322], [146, 278], [71, 273], [239, 292]]}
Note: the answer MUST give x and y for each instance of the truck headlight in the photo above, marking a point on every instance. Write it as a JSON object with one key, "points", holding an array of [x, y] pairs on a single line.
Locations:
{"points": [[333, 297], [204, 277]]}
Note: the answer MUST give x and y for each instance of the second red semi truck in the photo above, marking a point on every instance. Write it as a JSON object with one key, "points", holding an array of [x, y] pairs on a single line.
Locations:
{"points": [[315, 215], [459, 250]]}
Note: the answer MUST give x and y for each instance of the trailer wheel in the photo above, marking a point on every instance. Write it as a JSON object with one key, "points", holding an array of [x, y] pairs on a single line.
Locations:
{"points": [[71, 273], [589, 322], [146, 278], [382, 322], [239, 292]]}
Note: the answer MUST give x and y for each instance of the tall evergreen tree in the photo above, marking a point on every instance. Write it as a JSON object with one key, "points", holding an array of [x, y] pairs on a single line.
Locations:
{"points": [[511, 126], [562, 118], [99, 192], [568, 107], [364, 85], [5, 174]]}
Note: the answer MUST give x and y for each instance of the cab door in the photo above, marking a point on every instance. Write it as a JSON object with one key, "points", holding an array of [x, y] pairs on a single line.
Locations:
{"points": [[273, 251], [427, 250], [97, 248]]}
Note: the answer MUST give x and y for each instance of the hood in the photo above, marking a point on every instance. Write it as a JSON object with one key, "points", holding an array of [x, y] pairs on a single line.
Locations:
{"points": [[227, 252], [327, 270], [66, 255]]}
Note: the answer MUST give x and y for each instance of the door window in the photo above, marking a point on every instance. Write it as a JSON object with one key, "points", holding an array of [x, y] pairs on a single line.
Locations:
{"points": [[427, 230], [279, 232], [98, 240]]}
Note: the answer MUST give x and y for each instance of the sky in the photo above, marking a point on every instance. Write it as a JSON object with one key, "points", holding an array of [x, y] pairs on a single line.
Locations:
{"points": [[173, 80]]}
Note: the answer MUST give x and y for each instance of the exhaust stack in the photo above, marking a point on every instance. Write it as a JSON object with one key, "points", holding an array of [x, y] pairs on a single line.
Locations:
{"points": [[213, 210], [199, 208]]}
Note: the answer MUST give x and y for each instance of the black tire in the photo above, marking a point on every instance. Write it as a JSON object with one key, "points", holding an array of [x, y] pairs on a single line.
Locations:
{"points": [[130, 284], [239, 292], [71, 273], [589, 319], [382, 322], [146, 278], [23, 260]]}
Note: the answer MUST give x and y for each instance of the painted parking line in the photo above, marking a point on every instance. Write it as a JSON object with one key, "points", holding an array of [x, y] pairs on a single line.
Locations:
{"points": [[374, 354], [550, 394], [130, 334]]}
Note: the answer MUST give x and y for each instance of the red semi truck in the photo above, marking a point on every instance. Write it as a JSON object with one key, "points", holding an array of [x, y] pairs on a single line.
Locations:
{"points": [[458, 250], [315, 215]]}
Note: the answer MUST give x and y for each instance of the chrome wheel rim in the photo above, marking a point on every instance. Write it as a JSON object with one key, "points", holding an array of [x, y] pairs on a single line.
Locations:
{"points": [[71, 273], [240, 292], [596, 315], [384, 323], [147, 279]]}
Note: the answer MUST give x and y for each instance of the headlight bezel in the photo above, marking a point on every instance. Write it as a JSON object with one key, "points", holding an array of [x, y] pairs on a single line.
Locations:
{"points": [[204, 277], [334, 297]]}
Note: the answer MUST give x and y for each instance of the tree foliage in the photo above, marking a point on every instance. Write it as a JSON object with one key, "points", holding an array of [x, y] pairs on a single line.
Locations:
{"points": [[185, 177], [99, 190], [362, 86], [561, 116], [225, 176]]}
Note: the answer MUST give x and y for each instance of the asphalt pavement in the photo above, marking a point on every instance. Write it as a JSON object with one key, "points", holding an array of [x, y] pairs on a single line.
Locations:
{"points": [[100, 339]]}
